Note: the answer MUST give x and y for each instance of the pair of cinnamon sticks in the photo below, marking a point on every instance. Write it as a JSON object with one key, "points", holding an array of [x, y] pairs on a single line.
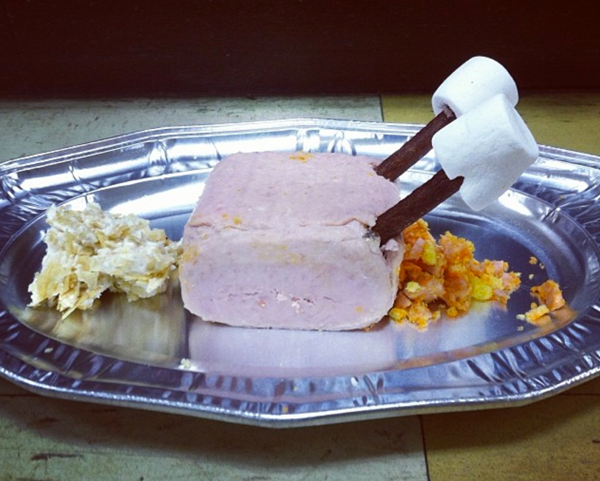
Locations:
{"points": [[426, 197]]}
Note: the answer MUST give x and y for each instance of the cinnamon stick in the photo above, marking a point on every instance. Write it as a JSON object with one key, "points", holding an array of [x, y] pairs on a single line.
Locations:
{"points": [[418, 203], [415, 148]]}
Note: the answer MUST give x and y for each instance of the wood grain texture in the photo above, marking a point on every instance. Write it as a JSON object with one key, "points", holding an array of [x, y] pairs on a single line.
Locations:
{"points": [[591, 387], [556, 439], [417, 204], [569, 120], [31, 127], [9, 389], [414, 149], [43, 438]]}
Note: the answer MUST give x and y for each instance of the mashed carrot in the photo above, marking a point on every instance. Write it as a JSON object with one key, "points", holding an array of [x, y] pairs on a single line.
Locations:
{"points": [[444, 277], [550, 299]]}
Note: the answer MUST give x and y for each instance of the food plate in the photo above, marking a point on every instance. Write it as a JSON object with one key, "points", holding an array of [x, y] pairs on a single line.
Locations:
{"points": [[152, 354]]}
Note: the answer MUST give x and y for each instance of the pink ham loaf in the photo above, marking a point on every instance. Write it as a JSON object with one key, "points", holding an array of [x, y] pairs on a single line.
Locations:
{"points": [[280, 240]]}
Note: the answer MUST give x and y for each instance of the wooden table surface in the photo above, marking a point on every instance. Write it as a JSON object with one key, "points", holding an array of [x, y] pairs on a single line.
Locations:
{"points": [[49, 439]]}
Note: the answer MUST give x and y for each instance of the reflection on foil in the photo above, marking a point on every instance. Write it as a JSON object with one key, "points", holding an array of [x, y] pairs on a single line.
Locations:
{"points": [[158, 331], [250, 352], [241, 351], [273, 352], [148, 330]]}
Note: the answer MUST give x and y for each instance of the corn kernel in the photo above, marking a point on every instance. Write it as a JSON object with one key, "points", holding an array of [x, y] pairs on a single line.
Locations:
{"points": [[429, 256], [536, 313], [412, 287], [397, 315], [481, 291]]}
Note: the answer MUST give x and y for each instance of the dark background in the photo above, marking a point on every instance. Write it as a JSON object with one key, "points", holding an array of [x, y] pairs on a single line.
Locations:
{"points": [[288, 47]]}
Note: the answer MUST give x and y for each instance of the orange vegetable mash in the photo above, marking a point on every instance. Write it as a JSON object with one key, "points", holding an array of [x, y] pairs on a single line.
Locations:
{"points": [[444, 276], [550, 299]]}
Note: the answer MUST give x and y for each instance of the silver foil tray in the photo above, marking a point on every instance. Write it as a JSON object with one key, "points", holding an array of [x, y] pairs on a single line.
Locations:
{"points": [[154, 355]]}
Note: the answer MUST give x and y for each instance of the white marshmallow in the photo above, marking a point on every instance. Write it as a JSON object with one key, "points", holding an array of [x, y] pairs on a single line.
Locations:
{"points": [[475, 81], [490, 147]]}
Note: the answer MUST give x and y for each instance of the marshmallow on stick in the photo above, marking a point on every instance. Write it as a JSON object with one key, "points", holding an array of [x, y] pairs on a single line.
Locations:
{"points": [[475, 81], [473, 85], [482, 154], [489, 147]]}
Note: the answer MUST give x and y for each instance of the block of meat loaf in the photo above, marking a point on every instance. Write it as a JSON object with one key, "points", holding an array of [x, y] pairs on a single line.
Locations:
{"points": [[281, 240]]}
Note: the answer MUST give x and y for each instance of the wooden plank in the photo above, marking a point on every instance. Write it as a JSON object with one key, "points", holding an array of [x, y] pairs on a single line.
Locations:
{"points": [[555, 439], [53, 439], [33, 127], [568, 120], [589, 387], [9, 389]]}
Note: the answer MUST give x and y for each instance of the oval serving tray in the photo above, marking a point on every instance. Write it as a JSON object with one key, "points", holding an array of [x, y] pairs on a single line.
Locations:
{"points": [[152, 354]]}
